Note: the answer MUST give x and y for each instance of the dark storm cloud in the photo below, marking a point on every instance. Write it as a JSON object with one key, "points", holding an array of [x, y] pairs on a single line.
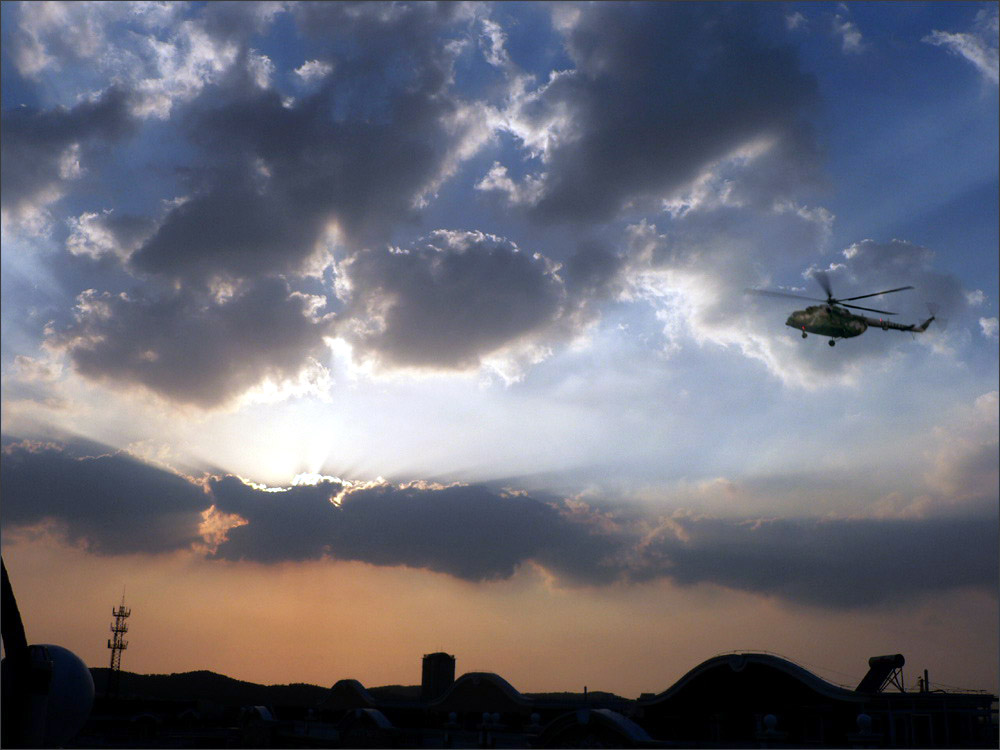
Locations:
{"points": [[295, 524], [114, 503], [829, 562], [358, 152], [660, 91], [194, 349], [476, 533], [238, 20], [593, 273], [885, 265], [468, 531], [43, 149], [448, 302], [230, 232]]}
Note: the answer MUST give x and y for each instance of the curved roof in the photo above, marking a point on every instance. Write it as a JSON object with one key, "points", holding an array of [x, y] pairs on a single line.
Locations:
{"points": [[348, 694], [471, 683], [738, 662], [567, 726]]}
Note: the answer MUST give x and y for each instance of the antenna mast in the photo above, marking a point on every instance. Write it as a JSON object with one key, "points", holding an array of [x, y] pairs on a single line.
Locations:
{"points": [[117, 644]]}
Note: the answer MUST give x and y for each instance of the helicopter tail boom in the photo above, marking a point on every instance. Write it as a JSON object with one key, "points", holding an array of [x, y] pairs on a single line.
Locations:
{"points": [[885, 325]]}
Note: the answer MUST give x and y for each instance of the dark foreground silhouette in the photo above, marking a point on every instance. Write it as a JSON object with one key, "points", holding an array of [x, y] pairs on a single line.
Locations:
{"points": [[732, 700]]}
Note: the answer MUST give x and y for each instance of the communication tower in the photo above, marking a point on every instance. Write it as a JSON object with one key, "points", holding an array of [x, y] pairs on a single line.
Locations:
{"points": [[117, 644]]}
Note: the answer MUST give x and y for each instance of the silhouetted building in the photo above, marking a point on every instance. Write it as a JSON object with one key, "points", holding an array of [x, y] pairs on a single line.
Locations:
{"points": [[742, 700], [734, 700], [437, 676]]}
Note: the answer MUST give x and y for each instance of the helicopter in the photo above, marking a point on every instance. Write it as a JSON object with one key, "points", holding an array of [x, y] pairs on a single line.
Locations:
{"points": [[831, 318]]}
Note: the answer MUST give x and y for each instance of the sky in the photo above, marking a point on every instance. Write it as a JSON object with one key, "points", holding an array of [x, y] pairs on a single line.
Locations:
{"points": [[335, 334]]}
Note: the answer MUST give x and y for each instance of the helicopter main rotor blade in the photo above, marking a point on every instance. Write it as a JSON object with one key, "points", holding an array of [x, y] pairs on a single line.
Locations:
{"points": [[869, 309], [876, 294], [824, 281], [765, 293]]}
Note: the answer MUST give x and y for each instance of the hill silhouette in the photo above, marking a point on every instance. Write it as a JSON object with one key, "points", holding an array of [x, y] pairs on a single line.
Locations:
{"points": [[209, 686]]}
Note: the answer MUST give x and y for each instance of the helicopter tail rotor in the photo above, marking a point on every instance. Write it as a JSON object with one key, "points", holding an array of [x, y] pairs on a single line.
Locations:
{"points": [[942, 323]]}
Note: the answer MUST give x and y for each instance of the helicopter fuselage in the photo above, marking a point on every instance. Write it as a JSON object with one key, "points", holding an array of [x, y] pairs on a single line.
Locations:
{"points": [[828, 320]]}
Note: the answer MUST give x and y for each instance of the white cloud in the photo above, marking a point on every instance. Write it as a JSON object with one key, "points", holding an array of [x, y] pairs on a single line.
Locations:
{"points": [[963, 467], [978, 46], [527, 192], [180, 68], [106, 233], [313, 70], [492, 43], [540, 127], [32, 369], [989, 327], [261, 68], [795, 21], [89, 237], [52, 33], [851, 40], [975, 297]]}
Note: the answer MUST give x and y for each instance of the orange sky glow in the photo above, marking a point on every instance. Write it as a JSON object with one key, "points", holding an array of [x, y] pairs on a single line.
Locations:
{"points": [[323, 621]]}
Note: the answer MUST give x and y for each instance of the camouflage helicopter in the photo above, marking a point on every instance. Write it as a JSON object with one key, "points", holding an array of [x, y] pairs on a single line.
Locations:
{"points": [[833, 320]]}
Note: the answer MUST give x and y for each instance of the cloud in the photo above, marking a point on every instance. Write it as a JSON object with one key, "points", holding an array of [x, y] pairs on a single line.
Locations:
{"points": [[795, 21], [352, 159], [469, 532], [157, 51], [55, 34], [975, 297], [116, 504], [112, 503], [291, 524], [448, 302], [107, 233], [962, 467], [231, 231], [659, 91], [827, 562], [192, 348], [978, 46], [476, 533], [492, 42], [851, 41], [313, 70], [878, 264], [45, 150], [989, 327]]}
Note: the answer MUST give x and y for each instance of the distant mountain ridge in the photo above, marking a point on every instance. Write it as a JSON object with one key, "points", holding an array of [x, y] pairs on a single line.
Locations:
{"points": [[209, 686]]}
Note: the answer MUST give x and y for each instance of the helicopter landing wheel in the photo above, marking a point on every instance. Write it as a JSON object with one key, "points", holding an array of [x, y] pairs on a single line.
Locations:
{"points": [[832, 342]]}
